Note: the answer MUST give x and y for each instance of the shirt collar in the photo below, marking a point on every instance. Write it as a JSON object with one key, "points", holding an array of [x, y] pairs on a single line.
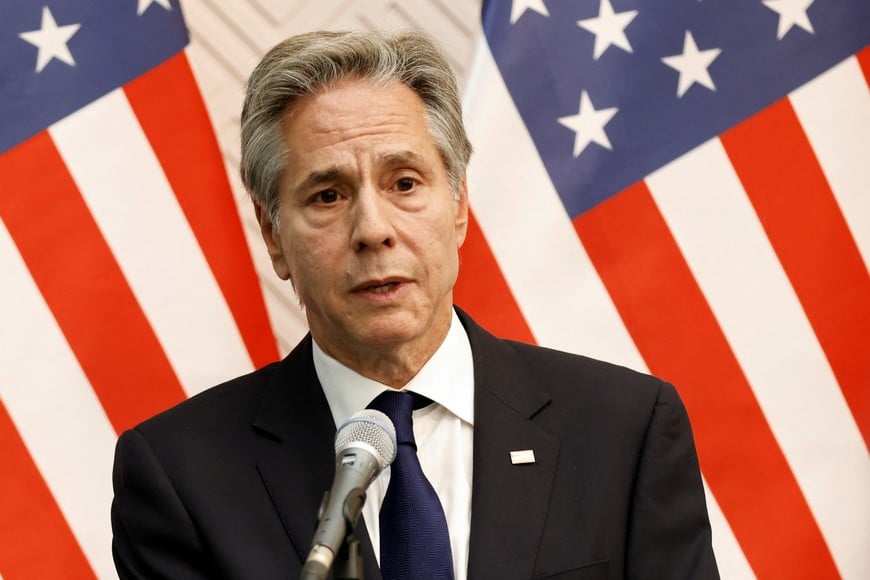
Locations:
{"points": [[447, 378]]}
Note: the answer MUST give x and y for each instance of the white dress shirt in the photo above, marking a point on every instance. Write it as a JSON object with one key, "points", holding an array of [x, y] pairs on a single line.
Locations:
{"points": [[443, 431]]}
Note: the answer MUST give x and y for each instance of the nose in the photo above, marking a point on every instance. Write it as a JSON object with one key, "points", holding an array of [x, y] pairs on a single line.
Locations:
{"points": [[372, 221]]}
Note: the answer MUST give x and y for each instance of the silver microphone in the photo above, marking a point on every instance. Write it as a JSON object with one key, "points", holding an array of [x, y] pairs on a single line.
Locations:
{"points": [[364, 445]]}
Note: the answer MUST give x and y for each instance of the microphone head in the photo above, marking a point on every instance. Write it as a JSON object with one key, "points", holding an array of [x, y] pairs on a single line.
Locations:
{"points": [[369, 428]]}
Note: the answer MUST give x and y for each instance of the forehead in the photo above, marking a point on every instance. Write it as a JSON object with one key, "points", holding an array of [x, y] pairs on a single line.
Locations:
{"points": [[356, 114], [356, 108]]}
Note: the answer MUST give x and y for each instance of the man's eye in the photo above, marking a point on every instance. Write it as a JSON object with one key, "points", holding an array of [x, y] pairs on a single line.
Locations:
{"points": [[327, 196], [405, 184]]}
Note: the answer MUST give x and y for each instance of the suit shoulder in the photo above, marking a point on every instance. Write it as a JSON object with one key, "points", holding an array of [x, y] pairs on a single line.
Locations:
{"points": [[580, 386], [592, 399], [562, 365], [571, 379], [237, 397]]}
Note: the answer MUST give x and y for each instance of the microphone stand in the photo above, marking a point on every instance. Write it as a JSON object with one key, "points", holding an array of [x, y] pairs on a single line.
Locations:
{"points": [[348, 562]]}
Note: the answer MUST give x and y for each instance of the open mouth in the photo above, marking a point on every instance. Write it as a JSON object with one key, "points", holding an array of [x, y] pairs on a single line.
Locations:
{"points": [[382, 288]]}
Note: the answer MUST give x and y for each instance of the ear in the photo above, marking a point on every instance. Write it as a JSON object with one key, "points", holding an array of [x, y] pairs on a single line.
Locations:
{"points": [[272, 237], [462, 214]]}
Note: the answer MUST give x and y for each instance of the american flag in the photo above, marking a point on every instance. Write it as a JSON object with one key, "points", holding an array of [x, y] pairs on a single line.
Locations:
{"points": [[683, 187], [680, 187], [127, 284]]}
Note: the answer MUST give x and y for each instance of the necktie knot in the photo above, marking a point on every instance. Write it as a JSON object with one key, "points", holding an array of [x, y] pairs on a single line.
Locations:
{"points": [[399, 406]]}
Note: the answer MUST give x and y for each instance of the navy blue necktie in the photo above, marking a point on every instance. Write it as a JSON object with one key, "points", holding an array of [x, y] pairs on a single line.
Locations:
{"points": [[415, 543]]}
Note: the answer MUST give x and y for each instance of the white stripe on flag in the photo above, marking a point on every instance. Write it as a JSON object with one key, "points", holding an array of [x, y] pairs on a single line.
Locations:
{"points": [[834, 110], [732, 564], [55, 410], [131, 200], [704, 204], [523, 219]]}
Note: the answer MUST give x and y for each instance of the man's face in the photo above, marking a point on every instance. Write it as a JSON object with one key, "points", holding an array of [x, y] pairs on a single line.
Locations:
{"points": [[368, 230]]}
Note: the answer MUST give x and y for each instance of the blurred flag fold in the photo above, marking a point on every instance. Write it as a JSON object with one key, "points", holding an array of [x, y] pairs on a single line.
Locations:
{"points": [[682, 187], [127, 283]]}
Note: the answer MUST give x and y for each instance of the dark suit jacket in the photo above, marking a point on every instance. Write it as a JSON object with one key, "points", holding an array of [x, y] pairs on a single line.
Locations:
{"points": [[228, 483]]}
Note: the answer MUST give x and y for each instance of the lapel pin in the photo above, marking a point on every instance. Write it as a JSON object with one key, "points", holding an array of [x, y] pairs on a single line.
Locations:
{"points": [[523, 456]]}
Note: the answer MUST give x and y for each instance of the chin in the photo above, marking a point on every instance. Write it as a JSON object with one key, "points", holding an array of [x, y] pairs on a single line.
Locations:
{"points": [[391, 329]]}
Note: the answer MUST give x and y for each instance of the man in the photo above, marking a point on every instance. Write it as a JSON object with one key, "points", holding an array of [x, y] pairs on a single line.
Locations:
{"points": [[354, 152]]}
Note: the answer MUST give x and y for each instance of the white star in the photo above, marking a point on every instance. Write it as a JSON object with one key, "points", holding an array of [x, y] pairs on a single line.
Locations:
{"points": [[791, 12], [519, 7], [692, 65], [588, 124], [145, 4], [608, 28], [51, 40]]}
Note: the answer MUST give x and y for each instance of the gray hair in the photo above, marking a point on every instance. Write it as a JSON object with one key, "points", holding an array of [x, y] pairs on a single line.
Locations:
{"points": [[310, 63]]}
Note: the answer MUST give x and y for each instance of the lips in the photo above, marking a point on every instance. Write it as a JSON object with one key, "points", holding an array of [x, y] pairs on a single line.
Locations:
{"points": [[382, 289], [379, 286]]}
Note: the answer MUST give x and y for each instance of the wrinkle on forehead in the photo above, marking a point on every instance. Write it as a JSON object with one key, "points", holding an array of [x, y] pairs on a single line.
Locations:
{"points": [[337, 172], [353, 128]]}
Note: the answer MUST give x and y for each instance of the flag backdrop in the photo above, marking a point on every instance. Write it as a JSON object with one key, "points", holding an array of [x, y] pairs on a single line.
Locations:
{"points": [[683, 187], [680, 187], [127, 284]]}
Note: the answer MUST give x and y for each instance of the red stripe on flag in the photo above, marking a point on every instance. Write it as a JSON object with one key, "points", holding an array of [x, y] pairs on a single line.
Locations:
{"points": [[671, 323], [484, 293], [808, 232], [864, 61], [171, 111], [35, 540], [85, 289]]}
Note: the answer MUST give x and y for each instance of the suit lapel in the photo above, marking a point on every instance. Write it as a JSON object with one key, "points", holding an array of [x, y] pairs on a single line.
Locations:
{"points": [[509, 501], [299, 463]]}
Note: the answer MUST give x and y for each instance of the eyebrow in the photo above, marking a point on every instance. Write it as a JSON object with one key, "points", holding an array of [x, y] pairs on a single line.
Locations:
{"points": [[335, 172], [318, 177], [400, 158]]}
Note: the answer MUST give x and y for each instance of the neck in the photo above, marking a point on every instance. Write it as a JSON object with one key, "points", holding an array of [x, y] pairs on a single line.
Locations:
{"points": [[394, 369], [392, 365]]}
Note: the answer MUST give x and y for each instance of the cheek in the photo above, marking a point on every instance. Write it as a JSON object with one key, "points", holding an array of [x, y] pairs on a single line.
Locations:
{"points": [[302, 264], [443, 252], [316, 265]]}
